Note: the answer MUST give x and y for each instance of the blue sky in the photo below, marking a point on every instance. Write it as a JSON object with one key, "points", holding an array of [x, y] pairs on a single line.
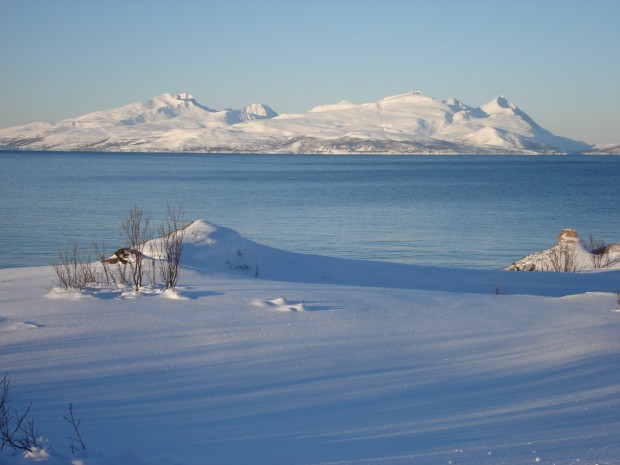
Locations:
{"points": [[558, 60]]}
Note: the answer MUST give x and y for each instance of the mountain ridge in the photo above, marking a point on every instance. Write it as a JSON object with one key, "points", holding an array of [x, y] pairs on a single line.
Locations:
{"points": [[409, 123]]}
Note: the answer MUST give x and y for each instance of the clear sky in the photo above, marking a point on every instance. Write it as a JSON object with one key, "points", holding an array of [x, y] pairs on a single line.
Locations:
{"points": [[558, 60]]}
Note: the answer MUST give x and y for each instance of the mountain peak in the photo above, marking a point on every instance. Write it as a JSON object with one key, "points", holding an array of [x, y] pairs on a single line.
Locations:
{"points": [[456, 105], [501, 105], [185, 99], [505, 103], [185, 96], [259, 110], [255, 111]]}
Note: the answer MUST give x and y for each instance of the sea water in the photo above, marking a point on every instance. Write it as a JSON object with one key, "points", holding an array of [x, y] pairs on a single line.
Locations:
{"points": [[456, 211]]}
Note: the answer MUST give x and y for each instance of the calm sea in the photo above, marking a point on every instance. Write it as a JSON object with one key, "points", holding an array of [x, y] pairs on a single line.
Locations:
{"points": [[466, 211]]}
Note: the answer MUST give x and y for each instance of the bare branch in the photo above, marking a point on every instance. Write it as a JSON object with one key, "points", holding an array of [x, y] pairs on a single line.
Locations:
{"points": [[136, 232], [599, 252], [171, 247], [563, 258], [16, 431], [75, 424]]}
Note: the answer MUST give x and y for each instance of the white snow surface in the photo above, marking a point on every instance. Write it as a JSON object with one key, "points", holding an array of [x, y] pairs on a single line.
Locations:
{"points": [[262, 356], [407, 123]]}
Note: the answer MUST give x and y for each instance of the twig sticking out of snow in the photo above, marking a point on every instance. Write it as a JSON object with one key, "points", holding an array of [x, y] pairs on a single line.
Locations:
{"points": [[77, 439]]}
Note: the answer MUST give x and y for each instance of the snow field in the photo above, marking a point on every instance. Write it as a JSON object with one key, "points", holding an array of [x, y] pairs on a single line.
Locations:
{"points": [[237, 373]]}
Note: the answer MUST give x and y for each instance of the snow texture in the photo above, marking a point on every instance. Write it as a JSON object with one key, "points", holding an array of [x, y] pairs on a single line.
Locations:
{"points": [[263, 356]]}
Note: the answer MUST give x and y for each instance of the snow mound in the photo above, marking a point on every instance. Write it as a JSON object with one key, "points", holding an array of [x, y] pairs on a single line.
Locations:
{"points": [[173, 294], [70, 294], [213, 249], [7, 325], [280, 304]]}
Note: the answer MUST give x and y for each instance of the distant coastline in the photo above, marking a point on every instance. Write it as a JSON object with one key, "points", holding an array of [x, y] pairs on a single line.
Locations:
{"points": [[490, 153], [407, 124]]}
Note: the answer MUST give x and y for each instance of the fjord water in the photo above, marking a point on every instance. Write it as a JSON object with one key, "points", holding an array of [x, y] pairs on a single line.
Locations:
{"points": [[457, 211]]}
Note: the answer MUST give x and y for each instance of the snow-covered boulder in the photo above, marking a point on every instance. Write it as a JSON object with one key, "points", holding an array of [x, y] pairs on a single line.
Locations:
{"points": [[570, 255], [568, 236]]}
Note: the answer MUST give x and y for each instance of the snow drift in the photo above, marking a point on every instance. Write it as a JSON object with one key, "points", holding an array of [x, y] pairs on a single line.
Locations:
{"points": [[215, 249]]}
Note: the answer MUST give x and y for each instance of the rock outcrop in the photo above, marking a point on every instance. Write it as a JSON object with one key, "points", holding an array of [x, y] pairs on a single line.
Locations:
{"points": [[569, 254]]}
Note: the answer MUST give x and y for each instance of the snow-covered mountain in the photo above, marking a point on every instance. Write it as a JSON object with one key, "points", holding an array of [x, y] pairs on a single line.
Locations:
{"points": [[604, 149], [409, 123]]}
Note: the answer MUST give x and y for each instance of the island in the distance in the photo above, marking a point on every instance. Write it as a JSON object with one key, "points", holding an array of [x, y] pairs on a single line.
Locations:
{"points": [[410, 123]]}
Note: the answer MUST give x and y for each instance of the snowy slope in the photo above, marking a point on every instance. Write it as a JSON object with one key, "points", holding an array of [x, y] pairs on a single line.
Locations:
{"points": [[604, 149], [408, 123], [359, 365]]}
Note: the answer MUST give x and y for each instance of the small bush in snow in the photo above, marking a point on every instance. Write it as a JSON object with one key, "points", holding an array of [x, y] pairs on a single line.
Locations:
{"points": [[171, 247], [17, 431], [136, 233], [563, 258], [130, 264], [599, 251], [74, 270]]}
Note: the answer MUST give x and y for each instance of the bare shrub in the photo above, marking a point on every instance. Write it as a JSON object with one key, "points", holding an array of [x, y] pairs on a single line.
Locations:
{"points": [[74, 270], [599, 252], [66, 269], [16, 430], [171, 247], [563, 258], [20, 433], [121, 274], [87, 271], [101, 255], [131, 263], [76, 441], [136, 232]]}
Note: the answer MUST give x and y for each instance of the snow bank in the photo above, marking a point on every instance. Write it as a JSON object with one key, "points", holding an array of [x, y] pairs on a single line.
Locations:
{"points": [[215, 249]]}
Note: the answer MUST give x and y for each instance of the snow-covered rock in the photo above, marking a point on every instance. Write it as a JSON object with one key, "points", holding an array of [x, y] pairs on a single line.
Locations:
{"points": [[410, 123], [570, 254]]}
